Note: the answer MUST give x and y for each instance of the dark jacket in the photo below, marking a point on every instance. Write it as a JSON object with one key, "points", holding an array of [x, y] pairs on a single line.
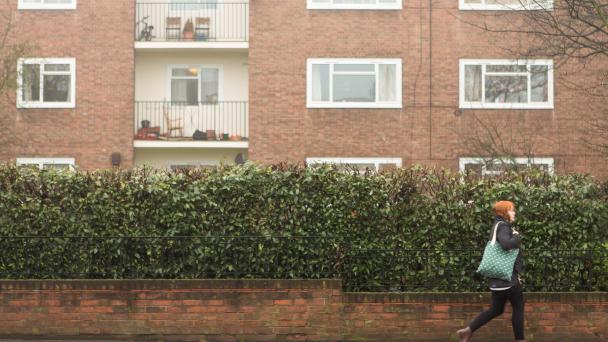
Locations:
{"points": [[508, 241]]}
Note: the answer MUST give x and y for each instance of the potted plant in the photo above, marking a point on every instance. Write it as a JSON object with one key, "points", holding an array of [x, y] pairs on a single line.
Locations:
{"points": [[188, 33]]}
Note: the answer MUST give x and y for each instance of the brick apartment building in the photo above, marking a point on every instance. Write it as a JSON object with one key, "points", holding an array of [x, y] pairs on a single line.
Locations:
{"points": [[377, 83]]}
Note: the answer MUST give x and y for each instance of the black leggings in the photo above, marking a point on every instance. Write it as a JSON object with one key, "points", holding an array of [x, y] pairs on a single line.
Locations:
{"points": [[499, 299]]}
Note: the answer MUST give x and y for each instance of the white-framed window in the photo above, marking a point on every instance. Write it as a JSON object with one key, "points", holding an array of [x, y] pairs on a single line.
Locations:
{"points": [[356, 4], [48, 163], [505, 5], [506, 84], [496, 166], [357, 164], [46, 83], [47, 4], [194, 84], [353, 83]]}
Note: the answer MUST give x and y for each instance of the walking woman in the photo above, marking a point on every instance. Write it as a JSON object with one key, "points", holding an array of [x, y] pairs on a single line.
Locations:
{"points": [[503, 290]]}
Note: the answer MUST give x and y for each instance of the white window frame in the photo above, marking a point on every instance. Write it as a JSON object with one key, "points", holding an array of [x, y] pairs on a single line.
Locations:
{"points": [[330, 5], [40, 162], [373, 61], [41, 61], [519, 161], [484, 62], [220, 81], [524, 5], [346, 160], [42, 6]]}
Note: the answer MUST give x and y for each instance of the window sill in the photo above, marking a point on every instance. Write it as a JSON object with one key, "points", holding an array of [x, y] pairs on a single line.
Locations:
{"points": [[506, 106], [46, 106], [46, 8], [481, 7], [355, 105], [389, 7]]}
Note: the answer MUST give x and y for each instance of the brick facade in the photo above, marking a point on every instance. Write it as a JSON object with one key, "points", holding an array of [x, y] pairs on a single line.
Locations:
{"points": [[276, 310], [99, 35], [429, 129]]}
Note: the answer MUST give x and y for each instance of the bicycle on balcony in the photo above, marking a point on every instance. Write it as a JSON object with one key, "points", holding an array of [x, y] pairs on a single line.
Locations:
{"points": [[146, 32]]}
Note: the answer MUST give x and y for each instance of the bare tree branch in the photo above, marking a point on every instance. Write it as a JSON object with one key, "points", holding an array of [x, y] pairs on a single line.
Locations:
{"points": [[572, 32], [10, 52]]}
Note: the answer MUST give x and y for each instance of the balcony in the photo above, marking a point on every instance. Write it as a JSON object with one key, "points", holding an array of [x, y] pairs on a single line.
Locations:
{"points": [[191, 25], [191, 125]]}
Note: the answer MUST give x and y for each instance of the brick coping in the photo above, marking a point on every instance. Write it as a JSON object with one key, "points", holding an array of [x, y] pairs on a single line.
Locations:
{"points": [[167, 284], [470, 297], [285, 284]]}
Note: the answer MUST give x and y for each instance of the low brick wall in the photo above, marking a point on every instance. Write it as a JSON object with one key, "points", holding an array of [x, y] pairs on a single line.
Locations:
{"points": [[275, 310], [437, 316]]}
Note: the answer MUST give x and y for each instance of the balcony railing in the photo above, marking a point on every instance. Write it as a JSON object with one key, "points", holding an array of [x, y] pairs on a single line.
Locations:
{"points": [[192, 21], [200, 121]]}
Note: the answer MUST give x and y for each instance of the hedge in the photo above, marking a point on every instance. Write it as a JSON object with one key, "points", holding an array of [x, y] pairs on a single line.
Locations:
{"points": [[409, 229]]}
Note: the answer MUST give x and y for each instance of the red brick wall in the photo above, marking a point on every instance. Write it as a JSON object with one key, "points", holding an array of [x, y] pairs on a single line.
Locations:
{"points": [[276, 310], [208, 310], [436, 316], [428, 129], [99, 35]]}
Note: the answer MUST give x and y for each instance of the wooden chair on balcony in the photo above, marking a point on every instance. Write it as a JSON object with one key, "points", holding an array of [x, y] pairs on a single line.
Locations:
{"points": [[172, 124], [173, 28], [201, 28]]}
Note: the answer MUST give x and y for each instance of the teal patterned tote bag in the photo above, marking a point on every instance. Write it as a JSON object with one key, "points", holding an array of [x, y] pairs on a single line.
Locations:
{"points": [[496, 262]]}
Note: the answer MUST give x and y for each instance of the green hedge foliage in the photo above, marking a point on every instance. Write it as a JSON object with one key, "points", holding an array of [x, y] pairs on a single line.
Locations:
{"points": [[410, 229]]}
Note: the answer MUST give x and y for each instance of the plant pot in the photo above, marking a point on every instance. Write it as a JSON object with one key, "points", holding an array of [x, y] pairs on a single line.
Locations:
{"points": [[225, 136], [188, 35]]}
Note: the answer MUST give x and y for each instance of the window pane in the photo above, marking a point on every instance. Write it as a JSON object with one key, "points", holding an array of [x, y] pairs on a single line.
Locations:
{"points": [[496, 167], [185, 91], [354, 88], [387, 74], [506, 68], [56, 166], [56, 67], [185, 72], [188, 5], [354, 67], [506, 89], [539, 83], [210, 85], [320, 82], [472, 83], [355, 167], [476, 168], [542, 167], [31, 82], [56, 88]]}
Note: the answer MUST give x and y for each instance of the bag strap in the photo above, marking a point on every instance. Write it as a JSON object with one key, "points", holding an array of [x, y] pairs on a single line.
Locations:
{"points": [[494, 236]]}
